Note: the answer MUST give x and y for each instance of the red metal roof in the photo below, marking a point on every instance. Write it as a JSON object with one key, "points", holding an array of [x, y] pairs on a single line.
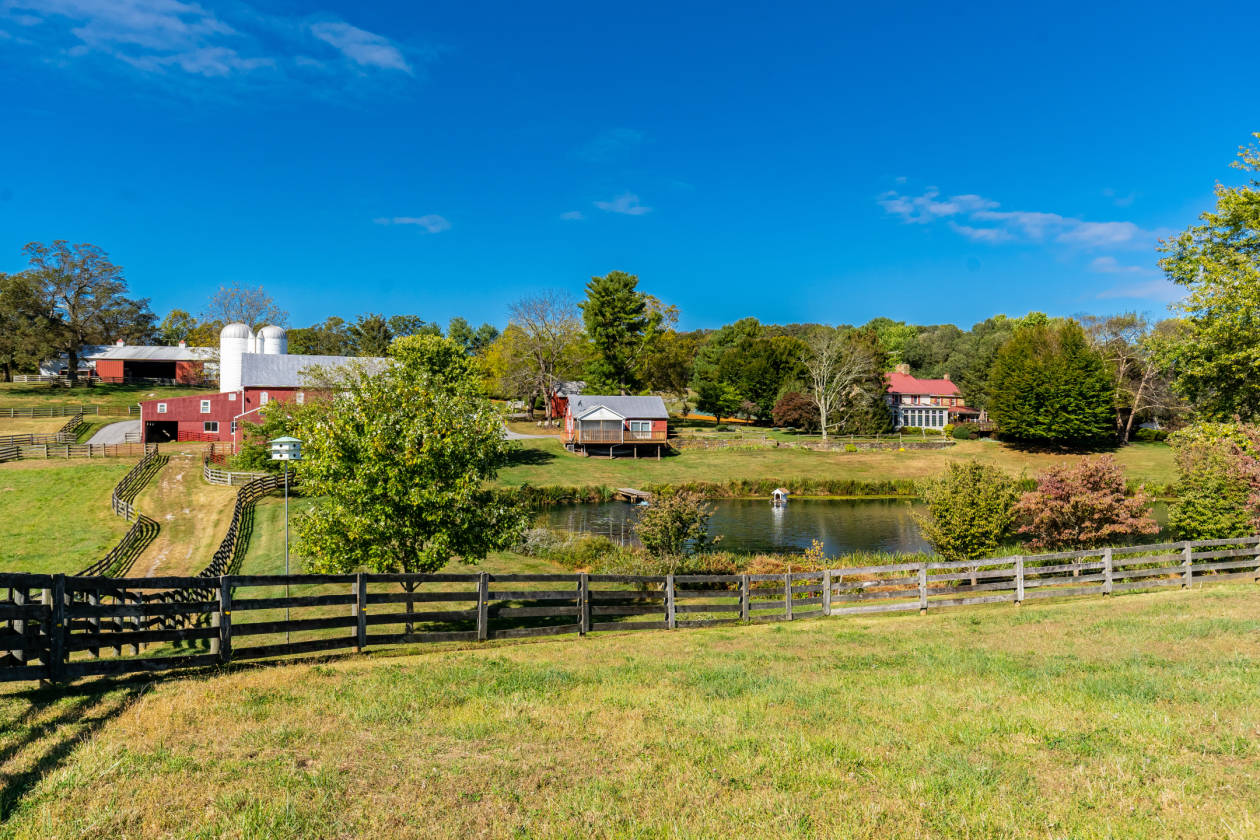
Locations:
{"points": [[901, 383]]}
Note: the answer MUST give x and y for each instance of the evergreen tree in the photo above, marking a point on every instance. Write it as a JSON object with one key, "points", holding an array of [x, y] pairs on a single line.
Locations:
{"points": [[1048, 386], [370, 335], [622, 325]]}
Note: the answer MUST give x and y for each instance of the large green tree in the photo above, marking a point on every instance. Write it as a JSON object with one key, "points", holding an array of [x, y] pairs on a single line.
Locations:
{"points": [[370, 335], [753, 362], [1049, 386], [82, 297], [24, 323], [1217, 360], [331, 338], [622, 324], [400, 465]]}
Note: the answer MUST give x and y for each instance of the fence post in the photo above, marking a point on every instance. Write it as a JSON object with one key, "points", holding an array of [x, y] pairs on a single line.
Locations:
{"points": [[1187, 559], [19, 626], [225, 620], [94, 599], [1019, 579], [359, 611], [671, 617], [57, 630], [1108, 571], [923, 605], [826, 593], [483, 607], [744, 598], [787, 596], [584, 604]]}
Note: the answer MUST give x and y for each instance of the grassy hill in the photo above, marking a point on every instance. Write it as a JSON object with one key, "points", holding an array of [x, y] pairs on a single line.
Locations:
{"points": [[1133, 717], [546, 462]]}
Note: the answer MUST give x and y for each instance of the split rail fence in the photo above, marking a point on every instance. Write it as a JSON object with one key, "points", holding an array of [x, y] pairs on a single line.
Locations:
{"points": [[69, 410], [143, 530], [58, 628]]}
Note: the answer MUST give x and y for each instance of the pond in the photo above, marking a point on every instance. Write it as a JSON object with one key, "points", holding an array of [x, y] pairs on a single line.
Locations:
{"points": [[845, 526]]}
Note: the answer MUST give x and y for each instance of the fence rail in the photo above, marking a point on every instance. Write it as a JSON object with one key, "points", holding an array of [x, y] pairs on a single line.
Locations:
{"points": [[143, 530], [66, 434], [69, 410], [59, 628]]}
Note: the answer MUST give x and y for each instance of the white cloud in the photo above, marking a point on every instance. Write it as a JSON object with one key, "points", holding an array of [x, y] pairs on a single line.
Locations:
{"points": [[432, 223], [573, 216], [613, 143], [961, 211], [1155, 290], [364, 48], [626, 203], [1110, 265], [175, 36]]}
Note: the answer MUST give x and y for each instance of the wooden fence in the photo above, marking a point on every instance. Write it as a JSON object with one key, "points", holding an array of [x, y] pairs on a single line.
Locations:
{"points": [[60, 628], [143, 531], [66, 434], [227, 478], [71, 450], [69, 410]]}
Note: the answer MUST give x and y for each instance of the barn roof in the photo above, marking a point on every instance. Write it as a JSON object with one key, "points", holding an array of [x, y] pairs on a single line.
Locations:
{"points": [[266, 370], [632, 408], [153, 353]]}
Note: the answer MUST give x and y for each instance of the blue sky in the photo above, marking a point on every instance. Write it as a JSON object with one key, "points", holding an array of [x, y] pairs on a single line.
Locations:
{"points": [[794, 162]]}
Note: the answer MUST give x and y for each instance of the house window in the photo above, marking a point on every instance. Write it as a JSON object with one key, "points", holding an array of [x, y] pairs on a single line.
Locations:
{"points": [[300, 399], [262, 398], [234, 427], [210, 427], [205, 406], [232, 397], [161, 408], [642, 428]]}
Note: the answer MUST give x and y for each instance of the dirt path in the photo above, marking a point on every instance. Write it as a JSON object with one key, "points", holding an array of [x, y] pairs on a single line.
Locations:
{"points": [[192, 516]]}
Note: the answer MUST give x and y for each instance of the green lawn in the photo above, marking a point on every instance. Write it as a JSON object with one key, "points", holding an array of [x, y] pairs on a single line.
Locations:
{"points": [[14, 394], [546, 462], [55, 515], [1133, 717]]}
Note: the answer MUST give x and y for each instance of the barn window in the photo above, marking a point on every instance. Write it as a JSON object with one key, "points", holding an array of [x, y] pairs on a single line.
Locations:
{"points": [[262, 398], [161, 408], [301, 397], [233, 427], [232, 397], [211, 426], [205, 406]]}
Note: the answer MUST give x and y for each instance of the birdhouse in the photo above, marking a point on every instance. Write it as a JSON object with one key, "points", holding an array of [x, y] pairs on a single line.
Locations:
{"points": [[285, 449]]}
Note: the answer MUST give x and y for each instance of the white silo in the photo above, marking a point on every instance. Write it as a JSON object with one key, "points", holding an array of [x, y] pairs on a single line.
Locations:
{"points": [[274, 340], [235, 340]]}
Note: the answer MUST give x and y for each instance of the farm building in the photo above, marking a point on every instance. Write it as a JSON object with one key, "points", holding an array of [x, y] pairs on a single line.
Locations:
{"points": [[926, 403], [615, 425], [253, 371], [146, 363]]}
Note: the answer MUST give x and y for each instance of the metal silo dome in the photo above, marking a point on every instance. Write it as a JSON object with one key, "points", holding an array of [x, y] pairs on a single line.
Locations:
{"points": [[235, 340], [274, 340]]}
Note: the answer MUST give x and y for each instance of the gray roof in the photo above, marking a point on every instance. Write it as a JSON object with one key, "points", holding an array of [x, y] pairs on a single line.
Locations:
{"points": [[154, 353], [634, 408], [263, 370]]}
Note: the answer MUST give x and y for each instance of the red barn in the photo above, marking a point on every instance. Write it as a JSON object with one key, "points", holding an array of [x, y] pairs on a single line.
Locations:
{"points": [[178, 365]]}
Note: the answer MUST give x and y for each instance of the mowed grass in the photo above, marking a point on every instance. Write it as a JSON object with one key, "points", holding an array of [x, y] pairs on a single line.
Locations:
{"points": [[14, 394], [546, 462], [1134, 717], [55, 515], [31, 425]]}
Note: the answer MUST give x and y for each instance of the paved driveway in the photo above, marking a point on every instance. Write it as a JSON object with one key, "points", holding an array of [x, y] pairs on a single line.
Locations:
{"points": [[115, 432]]}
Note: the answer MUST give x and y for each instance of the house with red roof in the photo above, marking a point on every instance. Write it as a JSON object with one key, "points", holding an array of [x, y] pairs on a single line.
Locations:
{"points": [[925, 403]]}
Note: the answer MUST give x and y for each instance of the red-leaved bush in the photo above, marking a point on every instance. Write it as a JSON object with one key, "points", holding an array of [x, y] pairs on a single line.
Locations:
{"points": [[1083, 506]]}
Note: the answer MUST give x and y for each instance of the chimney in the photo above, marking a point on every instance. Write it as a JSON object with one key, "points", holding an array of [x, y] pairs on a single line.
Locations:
{"points": [[903, 369], [120, 343], [945, 377]]}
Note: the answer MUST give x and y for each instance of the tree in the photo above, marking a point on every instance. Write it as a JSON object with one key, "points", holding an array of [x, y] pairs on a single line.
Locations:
{"points": [[668, 367], [403, 325], [1131, 347], [24, 323], [81, 296], [177, 326], [752, 360], [1218, 262], [841, 370], [238, 304], [400, 466], [969, 511], [1218, 475], [473, 341], [622, 324], [675, 525], [719, 399], [331, 338], [1048, 386], [549, 334], [1083, 505], [796, 410], [894, 337], [370, 335]]}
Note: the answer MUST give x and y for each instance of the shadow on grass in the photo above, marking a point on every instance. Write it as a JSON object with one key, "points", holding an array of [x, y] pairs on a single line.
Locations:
{"points": [[528, 456], [40, 737]]}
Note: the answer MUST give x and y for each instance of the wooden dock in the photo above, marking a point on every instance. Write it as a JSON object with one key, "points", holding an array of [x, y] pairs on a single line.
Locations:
{"points": [[629, 494]]}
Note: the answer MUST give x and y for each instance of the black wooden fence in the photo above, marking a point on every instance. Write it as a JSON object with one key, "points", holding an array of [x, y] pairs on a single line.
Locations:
{"points": [[143, 530], [58, 628]]}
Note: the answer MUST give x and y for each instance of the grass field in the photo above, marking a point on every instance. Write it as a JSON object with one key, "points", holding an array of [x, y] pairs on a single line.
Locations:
{"points": [[1134, 717], [56, 515], [192, 517], [546, 462], [31, 425], [14, 394]]}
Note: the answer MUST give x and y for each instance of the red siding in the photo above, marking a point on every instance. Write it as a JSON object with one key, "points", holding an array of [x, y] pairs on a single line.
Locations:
{"points": [[224, 408], [110, 369]]}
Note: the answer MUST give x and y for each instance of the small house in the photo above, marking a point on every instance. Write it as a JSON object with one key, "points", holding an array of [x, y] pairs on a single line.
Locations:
{"points": [[615, 425]]}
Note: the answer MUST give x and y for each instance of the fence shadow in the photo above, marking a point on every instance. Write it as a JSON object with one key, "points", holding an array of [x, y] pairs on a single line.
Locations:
{"points": [[38, 739]]}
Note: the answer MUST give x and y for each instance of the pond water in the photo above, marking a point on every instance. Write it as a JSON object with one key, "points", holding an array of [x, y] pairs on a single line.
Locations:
{"points": [[750, 526]]}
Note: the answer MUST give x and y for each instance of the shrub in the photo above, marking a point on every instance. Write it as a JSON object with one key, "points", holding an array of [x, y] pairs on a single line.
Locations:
{"points": [[962, 432], [1216, 482], [948, 431], [796, 410], [849, 447], [573, 551], [1083, 505], [1150, 435], [970, 510], [675, 525]]}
